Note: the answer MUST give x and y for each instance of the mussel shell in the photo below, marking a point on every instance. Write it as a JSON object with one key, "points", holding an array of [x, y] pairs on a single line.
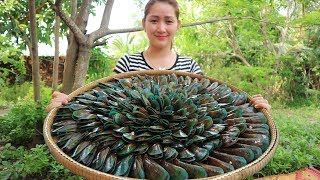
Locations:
{"points": [[176, 172], [165, 126], [154, 170]]}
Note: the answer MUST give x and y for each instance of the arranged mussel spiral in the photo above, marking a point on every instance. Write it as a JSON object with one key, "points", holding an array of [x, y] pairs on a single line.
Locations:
{"points": [[161, 127]]}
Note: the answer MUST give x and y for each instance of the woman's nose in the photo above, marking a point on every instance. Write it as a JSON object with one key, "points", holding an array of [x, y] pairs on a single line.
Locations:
{"points": [[161, 27]]}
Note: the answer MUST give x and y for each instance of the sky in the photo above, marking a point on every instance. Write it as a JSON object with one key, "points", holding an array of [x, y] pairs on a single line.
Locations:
{"points": [[121, 17]]}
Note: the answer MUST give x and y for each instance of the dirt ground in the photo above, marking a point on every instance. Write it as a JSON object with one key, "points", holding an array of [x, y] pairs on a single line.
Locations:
{"points": [[4, 112]]}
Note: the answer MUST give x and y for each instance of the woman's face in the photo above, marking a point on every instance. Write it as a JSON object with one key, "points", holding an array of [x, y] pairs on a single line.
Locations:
{"points": [[161, 25]]}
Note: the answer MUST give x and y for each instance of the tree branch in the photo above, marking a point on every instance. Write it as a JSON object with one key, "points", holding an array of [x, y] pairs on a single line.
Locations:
{"points": [[208, 21], [234, 43], [106, 14], [119, 31], [224, 19], [58, 3], [244, 61], [83, 15], [69, 22], [74, 4], [105, 31], [24, 20], [24, 36], [101, 43], [73, 15], [104, 26]]}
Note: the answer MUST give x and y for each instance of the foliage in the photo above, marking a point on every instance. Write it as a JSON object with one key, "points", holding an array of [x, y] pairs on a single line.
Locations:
{"points": [[301, 70], [253, 80], [19, 125], [299, 140], [214, 38], [12, 94], [313, 39], [309, 19], [287, 68], [128, 44], [12, 67], [14, 21], [37, 163], [100, 65]]}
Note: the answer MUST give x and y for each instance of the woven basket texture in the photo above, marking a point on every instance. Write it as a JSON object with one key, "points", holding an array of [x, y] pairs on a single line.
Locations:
{"points": [[89, 173]]}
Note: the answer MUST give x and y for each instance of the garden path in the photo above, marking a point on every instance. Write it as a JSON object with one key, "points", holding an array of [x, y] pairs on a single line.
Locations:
{"points": [[3, 112]]}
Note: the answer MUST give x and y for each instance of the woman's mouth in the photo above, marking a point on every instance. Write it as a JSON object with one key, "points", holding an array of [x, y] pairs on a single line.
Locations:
{"points": [[161, 37]]}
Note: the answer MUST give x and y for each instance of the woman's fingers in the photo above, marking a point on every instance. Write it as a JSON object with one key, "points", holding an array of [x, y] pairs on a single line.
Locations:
{"points": [[262, 104], [259, 102], [57, 100], [57, 94], [62, 100]]}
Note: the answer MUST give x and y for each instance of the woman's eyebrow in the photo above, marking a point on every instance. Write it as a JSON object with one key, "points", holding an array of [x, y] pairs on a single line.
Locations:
{"points": [[166, 17], [169, 17], [153, 16]]}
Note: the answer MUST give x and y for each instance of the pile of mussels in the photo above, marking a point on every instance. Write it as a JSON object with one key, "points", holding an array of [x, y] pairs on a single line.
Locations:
{"points": [[161, 127]]}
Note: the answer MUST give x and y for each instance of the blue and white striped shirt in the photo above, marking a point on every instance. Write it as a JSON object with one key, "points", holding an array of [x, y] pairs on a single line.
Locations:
{"points": [[137, 62]]}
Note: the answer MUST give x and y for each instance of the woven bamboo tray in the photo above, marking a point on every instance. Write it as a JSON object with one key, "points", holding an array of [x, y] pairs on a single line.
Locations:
{"points": [[90, 173]]}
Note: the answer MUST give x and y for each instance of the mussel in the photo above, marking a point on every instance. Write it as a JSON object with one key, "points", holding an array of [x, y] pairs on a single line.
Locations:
{"points": [[161, 127]]}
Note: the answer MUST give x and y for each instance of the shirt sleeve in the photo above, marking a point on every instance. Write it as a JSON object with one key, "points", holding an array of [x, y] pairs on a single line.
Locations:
{"points": [[195, 68], [122, 65]]}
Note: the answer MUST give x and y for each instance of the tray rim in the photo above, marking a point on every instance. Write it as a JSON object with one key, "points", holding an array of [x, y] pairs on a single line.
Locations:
{"points": [[90, 173]]}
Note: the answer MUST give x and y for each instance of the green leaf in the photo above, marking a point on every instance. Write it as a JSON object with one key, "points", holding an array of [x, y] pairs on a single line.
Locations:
{"points": [[5, 175]]}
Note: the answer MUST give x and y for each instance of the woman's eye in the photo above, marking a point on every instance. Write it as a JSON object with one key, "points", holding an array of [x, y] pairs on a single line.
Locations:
{"points": [[169, 22], [153, 21]]}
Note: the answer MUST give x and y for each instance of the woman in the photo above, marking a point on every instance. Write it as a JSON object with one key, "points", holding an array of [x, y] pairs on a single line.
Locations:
{"points": [[160, 22]]}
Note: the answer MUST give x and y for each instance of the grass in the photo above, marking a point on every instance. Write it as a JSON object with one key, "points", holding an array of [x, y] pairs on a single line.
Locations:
{"points": [[299, 140]]}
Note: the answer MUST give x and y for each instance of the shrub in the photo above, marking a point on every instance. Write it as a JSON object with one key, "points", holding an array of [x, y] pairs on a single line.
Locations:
{"points": [[12, 67], [100, 65], [12, 93], [253, 80], [19, 125], [37, 163], [299, 139], [300, 69]]}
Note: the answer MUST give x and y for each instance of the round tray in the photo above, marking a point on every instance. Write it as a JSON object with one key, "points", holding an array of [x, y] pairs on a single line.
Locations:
{"points": [[90, 173]]}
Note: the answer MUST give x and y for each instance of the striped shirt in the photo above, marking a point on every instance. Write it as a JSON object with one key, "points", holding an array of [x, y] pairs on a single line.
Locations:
{"points": [[136, 62]]}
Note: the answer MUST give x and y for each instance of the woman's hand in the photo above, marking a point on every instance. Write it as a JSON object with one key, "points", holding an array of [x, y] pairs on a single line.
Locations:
{"points": [[259, 102], [57, 100]]}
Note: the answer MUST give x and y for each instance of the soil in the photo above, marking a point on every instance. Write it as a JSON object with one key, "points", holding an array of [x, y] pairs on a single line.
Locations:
{"points": [[3, 112]]}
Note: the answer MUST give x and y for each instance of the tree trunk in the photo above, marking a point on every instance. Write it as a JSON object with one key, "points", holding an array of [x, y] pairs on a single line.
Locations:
{"points": [[73, 15], [290, 6], [73, 54], [69, 65], [34, 54], [264, 26], [81, 67], [235, 45], [56, 54], [35, 67], [303, 13]]}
